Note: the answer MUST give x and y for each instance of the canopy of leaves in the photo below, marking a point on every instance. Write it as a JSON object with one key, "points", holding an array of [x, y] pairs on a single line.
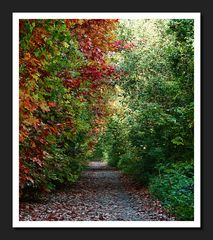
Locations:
{"points": [[117, 90], [65, 82], [153, 124]]}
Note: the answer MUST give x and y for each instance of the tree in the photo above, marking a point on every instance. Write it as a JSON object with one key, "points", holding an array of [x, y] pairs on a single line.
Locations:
{"points": [[155, 133], [65, 80]]}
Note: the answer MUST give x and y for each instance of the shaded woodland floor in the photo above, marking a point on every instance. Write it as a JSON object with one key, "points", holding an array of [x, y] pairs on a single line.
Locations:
{"points": [[101, 194]]}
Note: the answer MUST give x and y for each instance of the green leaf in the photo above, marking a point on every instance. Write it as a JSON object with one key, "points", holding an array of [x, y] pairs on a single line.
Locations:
{"points": [[177, 141]]}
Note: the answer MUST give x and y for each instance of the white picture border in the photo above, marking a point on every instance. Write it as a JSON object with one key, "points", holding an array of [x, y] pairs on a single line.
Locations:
{"points": [[110, 224]]}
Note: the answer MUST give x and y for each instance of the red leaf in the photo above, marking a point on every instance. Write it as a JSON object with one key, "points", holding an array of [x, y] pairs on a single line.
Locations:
{"points": [[51, 104]]}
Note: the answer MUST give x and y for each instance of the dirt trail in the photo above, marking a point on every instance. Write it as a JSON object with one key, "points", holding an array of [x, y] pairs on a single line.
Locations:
{"points": [[102, 193]]}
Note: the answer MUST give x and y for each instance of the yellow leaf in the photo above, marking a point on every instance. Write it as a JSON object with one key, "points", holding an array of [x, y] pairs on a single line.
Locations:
{"points": [[66, 45]]}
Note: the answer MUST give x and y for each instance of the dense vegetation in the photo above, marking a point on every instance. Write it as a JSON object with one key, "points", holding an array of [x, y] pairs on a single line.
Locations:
{"points": [[150, 136], [65, 77], [121, 91]]}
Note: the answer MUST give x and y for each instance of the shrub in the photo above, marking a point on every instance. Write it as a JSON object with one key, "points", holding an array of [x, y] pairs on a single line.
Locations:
{"points": [[174, 187]]}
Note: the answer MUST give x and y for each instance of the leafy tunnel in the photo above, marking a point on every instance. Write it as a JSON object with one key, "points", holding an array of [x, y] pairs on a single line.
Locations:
{"points": [[116, 90]]}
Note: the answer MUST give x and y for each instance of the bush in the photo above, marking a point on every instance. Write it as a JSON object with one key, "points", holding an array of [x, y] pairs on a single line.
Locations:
{"points": [[174, 187]]}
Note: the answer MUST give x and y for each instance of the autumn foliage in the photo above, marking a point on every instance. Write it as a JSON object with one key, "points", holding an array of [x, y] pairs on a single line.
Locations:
{"points": [[121, 91], [65, 79]]}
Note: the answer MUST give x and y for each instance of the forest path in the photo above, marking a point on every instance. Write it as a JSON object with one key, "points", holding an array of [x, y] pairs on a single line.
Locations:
{"points": [[102, 193]]}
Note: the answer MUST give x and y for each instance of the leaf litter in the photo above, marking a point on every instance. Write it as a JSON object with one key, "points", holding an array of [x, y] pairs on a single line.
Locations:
{"points": [[102, 194]]}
